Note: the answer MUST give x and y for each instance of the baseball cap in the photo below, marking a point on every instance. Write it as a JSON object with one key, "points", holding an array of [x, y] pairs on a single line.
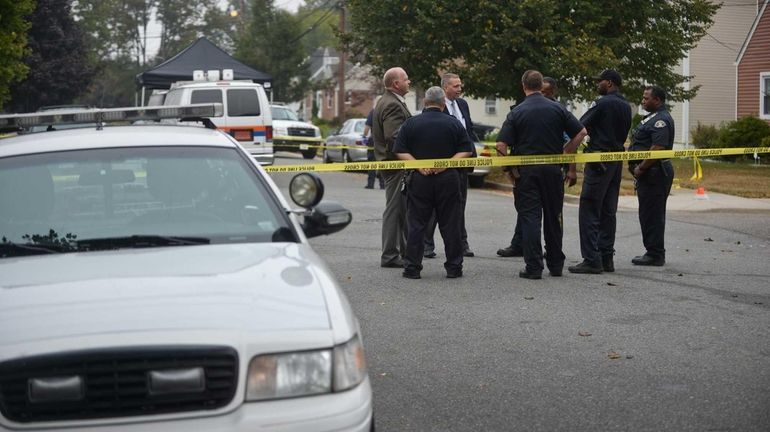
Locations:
{"points": [[610, 75]]}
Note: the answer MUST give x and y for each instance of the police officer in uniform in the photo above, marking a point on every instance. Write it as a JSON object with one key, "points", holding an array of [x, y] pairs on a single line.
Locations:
{"points": [[653, 176], [536, 127], [433, 135], [608, 122]]}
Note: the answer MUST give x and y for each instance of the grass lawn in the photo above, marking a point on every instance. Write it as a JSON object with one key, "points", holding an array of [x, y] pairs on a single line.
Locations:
{"points": [[739, 179]]}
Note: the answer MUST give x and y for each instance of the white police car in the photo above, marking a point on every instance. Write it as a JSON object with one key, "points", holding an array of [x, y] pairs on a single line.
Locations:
{"points": [[153, 278]]}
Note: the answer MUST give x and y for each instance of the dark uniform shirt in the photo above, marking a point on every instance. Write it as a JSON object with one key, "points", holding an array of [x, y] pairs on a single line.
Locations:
{"points": [[432, 135], [655, 129], [607, 122], [536, 126]]}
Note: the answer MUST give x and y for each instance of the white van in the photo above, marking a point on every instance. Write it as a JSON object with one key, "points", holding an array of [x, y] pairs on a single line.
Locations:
{"points": [[247, 116]]}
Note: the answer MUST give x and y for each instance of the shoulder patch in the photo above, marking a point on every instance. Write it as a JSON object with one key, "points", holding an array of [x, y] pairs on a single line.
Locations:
{"points": [[660, 124]]}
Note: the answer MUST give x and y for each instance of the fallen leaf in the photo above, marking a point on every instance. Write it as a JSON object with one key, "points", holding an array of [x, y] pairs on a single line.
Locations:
{"points": [[687, 250], [529, 298], [629, 357], [350, 277], [613, 355], [383, 374], [738, 242], [611, 284], [680, 274], [708, 239], [734, 295], [758, 303], [584, 333]]}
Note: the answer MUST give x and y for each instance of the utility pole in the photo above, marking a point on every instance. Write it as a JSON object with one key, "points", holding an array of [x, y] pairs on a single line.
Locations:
{"points": [[341, 72]]}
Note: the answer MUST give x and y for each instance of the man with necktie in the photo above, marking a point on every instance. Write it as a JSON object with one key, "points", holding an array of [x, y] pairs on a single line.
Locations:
{"points": [[457, 107]]}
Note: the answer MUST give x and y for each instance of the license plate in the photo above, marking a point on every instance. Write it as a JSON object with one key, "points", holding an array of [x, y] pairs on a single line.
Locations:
{"points": [[303, 147]]}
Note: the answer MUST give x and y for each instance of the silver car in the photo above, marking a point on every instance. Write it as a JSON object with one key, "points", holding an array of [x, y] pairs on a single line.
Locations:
{"points": [[347, 144], [153, 278]]}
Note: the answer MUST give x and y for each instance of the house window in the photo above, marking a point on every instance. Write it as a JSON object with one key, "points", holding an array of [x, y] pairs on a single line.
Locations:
{"points": [[329, 99], [764, 95], [490, 105]]}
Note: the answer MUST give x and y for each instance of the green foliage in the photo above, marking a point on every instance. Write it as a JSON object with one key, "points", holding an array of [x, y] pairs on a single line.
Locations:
{"points": [[271, 45], [766, 141], [113, 85], [58, 65], [744, 132], [13, 43], [183, 22], [705, 136], [491, 43], [319, 22]]}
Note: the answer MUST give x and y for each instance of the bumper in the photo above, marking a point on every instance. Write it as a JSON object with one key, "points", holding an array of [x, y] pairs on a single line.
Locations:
{"points": [[346, 411], [293, 144]]}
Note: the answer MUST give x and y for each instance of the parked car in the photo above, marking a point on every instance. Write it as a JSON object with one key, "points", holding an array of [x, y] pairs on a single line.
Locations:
{"points": [[347, 144], [153, 278], [476, 178], [293, 135]]}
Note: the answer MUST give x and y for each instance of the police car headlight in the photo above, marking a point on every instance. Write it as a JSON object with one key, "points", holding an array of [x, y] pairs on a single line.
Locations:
{"points": [[306, 373], [278, 376]]}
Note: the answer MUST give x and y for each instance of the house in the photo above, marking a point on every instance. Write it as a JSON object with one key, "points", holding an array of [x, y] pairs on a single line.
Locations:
{"points": [[711, 63], [752, 69]]}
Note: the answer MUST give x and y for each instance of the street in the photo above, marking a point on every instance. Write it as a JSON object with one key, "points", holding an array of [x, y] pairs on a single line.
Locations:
{"points": [[685, 347]]}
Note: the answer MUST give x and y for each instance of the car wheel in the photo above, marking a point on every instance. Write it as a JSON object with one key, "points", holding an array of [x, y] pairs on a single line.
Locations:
{"points": [[476, 181], [309, 153]]}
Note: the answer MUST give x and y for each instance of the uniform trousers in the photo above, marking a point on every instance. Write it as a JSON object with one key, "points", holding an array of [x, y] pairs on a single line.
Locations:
{"points": [[598, 206], [539, 202], [430, 231], [439, 193], [653, 188], [516, 239], [393, 219]]}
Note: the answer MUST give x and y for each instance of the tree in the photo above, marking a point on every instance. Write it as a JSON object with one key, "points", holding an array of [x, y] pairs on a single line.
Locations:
{"points": [[271, 44], [13, 43], [319, 20], [57, 59], [491, 43]]}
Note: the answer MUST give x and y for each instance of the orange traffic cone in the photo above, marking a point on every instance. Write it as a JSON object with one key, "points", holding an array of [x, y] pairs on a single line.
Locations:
{"points": [[700, 193]]}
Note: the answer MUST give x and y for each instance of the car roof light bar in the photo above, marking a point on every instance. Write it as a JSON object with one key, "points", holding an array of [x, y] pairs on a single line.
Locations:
{"points": [[15, 122]]}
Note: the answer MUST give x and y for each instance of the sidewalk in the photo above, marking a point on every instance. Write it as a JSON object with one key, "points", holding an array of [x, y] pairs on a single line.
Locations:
{"points": [[679, 200]]}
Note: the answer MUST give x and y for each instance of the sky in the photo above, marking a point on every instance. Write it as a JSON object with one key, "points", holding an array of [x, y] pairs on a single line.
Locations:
{"points": [[153, 43]]}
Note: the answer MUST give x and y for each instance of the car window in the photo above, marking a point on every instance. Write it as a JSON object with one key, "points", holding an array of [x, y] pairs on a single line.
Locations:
{"points": [[345, 128], [242, 102], [280, 113], [359, 127], [206, 96], [200, 192], [174, 97]]}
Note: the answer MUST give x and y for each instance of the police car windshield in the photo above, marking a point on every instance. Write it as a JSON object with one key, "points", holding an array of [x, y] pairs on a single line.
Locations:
{"points": [[139, 196]]}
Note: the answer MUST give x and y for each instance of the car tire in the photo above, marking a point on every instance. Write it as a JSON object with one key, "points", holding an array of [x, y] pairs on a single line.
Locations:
{"points": [[309, 153], [476, 181]]}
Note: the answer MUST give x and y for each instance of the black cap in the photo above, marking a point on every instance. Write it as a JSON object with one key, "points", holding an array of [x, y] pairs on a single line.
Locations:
{"points": [[610, 75]]}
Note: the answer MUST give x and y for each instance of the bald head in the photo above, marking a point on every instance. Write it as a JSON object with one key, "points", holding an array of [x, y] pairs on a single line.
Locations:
{"points": [[396, 80]]}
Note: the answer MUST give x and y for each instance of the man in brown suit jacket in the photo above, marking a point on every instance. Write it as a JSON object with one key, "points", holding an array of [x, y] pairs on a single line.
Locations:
{"points": [[389, 114]]}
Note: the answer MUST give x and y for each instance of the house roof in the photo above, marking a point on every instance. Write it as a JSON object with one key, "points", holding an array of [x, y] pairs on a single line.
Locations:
{"points": [[200, 55], [754, 26]]}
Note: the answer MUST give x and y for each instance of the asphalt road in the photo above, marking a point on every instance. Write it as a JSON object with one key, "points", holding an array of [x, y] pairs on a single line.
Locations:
{"points": [[685, 347]]}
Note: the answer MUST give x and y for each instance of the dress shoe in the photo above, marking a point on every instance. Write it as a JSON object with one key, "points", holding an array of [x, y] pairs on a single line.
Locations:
{"points": [[585, 268], [647, 260], [555, 272], [468, 253], [393, 264], [368, 187], [607, 264], [527, 275], [509, 252], [411, 274], [429, 254], [455, 274]]}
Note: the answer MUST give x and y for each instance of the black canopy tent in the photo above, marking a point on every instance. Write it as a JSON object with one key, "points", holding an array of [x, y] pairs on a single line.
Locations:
{"points": [[200, 55]]}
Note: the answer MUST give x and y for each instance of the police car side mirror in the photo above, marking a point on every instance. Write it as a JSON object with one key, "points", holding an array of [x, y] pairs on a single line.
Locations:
{"points": [[326, 218]]}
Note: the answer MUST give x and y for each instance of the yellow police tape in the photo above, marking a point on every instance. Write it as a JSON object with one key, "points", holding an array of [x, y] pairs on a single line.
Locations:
{"points": [[515, 160]]}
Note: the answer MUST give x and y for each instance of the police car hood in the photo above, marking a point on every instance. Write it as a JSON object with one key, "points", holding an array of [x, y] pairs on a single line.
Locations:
{"points": [[245, 287]]}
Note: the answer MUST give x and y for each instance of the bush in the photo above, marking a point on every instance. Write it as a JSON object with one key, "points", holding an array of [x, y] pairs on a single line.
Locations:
{"points": [[766, 142], [705, 136], [744, 132]]}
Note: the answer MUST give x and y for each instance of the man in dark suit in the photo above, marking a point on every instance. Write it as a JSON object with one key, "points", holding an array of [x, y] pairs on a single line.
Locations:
{"points": [[389, 114], [457, 107]]}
